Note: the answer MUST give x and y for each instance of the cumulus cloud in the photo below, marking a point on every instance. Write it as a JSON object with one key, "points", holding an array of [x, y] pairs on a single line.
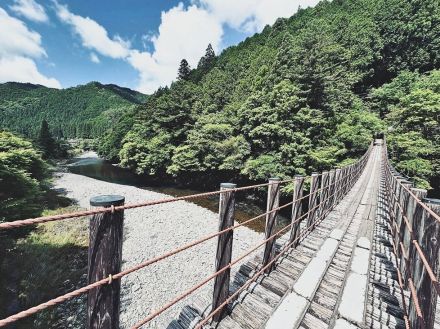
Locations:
{"points": [[22, 69], [180, 36], [184, 32], [19, 46], [30, 9], [94, 58], [252, 15], [93, 35]]}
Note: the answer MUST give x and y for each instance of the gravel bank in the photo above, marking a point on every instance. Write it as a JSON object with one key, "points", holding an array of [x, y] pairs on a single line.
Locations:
{"points": [[151, 231]]}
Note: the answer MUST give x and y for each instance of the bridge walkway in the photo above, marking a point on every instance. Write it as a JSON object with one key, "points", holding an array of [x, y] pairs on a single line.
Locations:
{"points": [[322, 282]]}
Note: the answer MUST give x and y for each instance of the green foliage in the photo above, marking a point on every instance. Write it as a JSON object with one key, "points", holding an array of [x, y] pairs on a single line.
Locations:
{"points": [[292, 98], [184, 70], [80, 112], [412, 104], [23, 177]]}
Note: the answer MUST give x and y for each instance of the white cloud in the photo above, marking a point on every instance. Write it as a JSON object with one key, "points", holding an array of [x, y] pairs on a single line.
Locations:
{"points": [[22, 69], [180, 36], [17, 39], [30, 9], [94, 58], [93, 35], [252, 15], [183, 33], [19, 46]]}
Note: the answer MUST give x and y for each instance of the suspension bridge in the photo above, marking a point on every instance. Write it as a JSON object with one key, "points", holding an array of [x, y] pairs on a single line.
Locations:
{"points": [[361, 250]]}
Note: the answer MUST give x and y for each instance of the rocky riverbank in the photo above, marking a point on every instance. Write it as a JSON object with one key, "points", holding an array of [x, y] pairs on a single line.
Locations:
{"points": [[151, 231]]}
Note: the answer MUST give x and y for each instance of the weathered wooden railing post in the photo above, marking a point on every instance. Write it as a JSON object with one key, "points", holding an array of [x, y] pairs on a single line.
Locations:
{"points": [[400, 220], [313, 199], [224, 248], [298, 188], [337, 191], [415, 261], [105, 257], [428, 236], [273, 201], [323, 194], [397, 189], [405, 266], [332, 188]]}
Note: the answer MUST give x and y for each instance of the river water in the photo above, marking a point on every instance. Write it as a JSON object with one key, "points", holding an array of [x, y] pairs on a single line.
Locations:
{"points": [[92, 166]]}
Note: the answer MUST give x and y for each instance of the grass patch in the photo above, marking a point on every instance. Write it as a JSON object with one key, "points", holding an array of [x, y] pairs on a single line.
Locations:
{"points": [[50, 261]]}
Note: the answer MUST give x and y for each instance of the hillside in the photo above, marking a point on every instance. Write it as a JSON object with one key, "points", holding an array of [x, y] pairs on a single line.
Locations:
{"points": [[293, 99], [84, 111]]}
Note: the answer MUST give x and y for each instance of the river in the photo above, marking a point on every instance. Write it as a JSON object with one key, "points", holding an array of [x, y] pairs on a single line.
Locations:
{"points": [[90, 165]]}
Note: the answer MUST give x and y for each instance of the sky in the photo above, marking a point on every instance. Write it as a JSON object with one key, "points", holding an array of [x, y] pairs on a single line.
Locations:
{"points": [[132, 43]]}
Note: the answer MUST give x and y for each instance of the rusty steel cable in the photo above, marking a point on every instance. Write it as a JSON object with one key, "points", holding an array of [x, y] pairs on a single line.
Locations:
{"points": [[44, 219], [419, 202], [103, 281], [247, 283], [192, 289], [420, 252], [119, 275], [200, 284], [399, 274]]}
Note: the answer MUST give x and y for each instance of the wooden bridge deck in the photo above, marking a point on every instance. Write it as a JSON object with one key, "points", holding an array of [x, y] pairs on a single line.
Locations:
{"points": [[329, 280], [342, 275]]}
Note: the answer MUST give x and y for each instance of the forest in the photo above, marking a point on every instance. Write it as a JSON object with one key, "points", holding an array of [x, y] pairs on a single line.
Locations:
{"points": [[78, 112], [306, 94]]}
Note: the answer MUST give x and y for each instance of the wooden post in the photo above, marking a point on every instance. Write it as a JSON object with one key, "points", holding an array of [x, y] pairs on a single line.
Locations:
{"points": [[344, 182], [323, 194], [338, 178], [428, 236], [273, 201], [416, 265], [313, 199], [224, 248], [397, 190], [401, 211], [296, 208], [405, 267], [332, 188], [105, 257]]}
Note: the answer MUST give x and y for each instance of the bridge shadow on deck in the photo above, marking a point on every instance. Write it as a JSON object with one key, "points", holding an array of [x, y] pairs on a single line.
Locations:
{"points": [[385, 308]]}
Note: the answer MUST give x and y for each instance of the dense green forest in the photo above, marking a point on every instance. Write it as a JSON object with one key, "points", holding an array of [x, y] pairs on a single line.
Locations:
{"points": [[79, 112], [307, 93]]}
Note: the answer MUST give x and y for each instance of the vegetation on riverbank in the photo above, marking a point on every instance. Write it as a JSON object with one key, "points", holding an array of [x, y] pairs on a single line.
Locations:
{"points": [[33, 260]]}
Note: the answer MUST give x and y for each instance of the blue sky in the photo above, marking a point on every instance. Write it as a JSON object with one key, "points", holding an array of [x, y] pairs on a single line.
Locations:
{"points": [[132, 43]]}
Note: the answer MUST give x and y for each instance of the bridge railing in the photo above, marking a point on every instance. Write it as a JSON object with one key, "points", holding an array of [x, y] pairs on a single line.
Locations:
{"points": [[105, 245], [415, 227]]}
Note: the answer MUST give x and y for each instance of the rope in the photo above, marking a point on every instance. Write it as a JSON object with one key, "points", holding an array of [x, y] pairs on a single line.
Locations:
{"points": [[108, 280], [197, 286]]}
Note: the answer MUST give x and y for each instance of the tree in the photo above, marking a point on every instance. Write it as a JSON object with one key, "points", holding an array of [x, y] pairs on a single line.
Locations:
{"points": [[184, 70], [23, 176], [208, 60], [46, 141]]}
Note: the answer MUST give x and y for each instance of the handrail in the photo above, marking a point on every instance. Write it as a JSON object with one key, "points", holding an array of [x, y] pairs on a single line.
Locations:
{"points": [[338, 191], [396, 210]]}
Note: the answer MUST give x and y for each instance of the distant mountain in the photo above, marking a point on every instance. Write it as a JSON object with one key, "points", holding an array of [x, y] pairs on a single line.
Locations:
{"points": [[85, 111]]}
